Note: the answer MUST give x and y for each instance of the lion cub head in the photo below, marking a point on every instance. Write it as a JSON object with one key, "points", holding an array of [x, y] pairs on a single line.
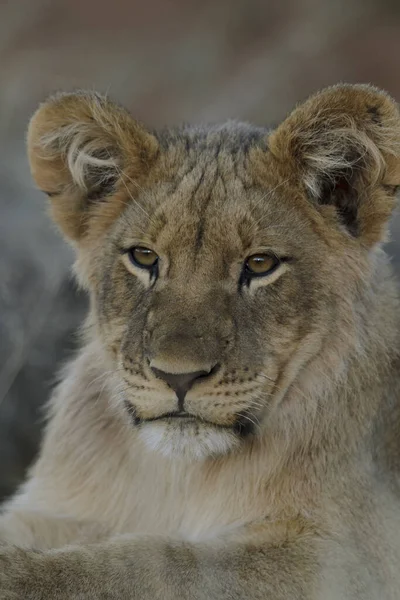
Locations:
{"points": [[224, 263]]}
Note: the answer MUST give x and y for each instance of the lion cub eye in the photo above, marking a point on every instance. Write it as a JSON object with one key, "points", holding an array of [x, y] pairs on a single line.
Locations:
{"points": [[143, 257], [261, 264]]}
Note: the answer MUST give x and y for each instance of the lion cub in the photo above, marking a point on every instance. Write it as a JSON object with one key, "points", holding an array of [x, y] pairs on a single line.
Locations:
{"points": [[230, 428]]}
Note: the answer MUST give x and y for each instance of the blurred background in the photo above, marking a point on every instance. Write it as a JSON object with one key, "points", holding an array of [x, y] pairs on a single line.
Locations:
{"points": [[167, 61]]}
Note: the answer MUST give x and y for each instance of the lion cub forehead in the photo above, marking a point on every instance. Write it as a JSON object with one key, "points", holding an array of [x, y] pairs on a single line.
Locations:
{"points": [[205, 194], [204, 213]]}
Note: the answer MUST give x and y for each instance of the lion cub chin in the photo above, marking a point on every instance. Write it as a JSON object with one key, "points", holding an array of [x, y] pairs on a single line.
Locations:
{"points": [[191, 440]]}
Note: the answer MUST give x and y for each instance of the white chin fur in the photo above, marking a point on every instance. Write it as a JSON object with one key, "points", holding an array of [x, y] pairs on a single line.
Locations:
{"points": [[187, 440]]}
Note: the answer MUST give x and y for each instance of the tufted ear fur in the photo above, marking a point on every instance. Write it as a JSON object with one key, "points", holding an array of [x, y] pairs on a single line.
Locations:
{"points": [[343, 145], [81, 146]]}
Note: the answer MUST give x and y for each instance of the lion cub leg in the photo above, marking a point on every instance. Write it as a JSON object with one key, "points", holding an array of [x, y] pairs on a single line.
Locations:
{"points": [[262, 562]]}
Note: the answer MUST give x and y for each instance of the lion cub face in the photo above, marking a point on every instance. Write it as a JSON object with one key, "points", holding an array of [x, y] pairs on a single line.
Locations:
{"points": [[205, 295], [219, 260]]}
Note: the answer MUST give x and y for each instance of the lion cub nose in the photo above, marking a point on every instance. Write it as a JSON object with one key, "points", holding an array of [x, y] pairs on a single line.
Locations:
{"points": [[181, 382]]}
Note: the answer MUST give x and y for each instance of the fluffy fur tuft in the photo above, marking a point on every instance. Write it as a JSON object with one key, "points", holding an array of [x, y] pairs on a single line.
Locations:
{"points": [[84, 154]]}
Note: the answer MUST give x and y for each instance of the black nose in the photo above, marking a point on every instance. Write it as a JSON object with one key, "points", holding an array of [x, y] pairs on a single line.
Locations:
{"points": [[182, 382]]}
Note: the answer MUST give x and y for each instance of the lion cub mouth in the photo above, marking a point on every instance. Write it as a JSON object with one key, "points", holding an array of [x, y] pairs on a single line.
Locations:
{"points": [[181, 415], [174, 415], [241, 426]]}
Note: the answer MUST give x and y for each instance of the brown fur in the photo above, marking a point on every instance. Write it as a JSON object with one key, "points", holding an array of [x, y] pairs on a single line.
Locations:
{"points": [[284, 484]]}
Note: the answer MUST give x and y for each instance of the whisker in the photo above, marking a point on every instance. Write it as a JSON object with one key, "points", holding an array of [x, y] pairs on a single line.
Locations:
{"points": [[265, 377], [101, 391], [268, 194], [135, 202], [244, 416], [135, 183]]}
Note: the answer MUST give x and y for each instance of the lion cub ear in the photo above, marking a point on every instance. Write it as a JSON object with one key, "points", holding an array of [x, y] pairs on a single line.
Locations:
{"points": [[81, 147], [343, 146]]}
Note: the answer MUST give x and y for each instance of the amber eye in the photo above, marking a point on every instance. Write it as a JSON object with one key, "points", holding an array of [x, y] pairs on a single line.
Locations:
{"points": [[261, 264], [143, 257]]}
